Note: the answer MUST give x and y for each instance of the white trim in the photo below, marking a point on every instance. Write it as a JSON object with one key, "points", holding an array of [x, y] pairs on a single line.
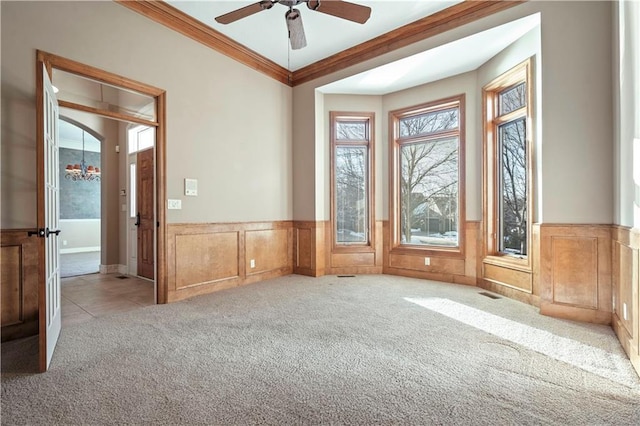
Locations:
{"points": [[79, 250], [80, 220], [123, 269]]}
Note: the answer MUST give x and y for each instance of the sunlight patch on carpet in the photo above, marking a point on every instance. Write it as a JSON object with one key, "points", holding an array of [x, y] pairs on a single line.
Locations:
{"points": [[594, 360]]}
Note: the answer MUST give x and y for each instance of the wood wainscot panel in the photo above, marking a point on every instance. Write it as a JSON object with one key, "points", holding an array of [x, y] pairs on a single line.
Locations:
{"points": [[303, 249], [509, 280], [355, 259], [622, 283], [206, 258], [512, 278], [473, 248], [441, 265], [203, 258], [575, 272], [308, 248], [626, 291], [11, 258], [268, 249], [19, 284], [411, 263], [345, 260]]}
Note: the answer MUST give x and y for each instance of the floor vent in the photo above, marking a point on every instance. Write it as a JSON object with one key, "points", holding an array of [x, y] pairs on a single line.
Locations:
{"points": [[489, 295], [122, 277], [346, 276]]}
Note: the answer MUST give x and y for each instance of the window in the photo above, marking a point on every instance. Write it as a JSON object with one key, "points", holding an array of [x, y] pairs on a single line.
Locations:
{"points": [[508, 163], [427, 190], [140, 138], [351, 188]]}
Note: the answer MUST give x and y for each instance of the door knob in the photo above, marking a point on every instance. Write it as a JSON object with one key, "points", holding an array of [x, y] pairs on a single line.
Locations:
{"points": [[48, 232]]}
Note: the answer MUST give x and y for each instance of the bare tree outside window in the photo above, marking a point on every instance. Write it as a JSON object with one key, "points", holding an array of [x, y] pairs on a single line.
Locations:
{"points": [[508, 181], [513, 169], [351, 194], [512, 145], [429, 178], [351, 180]]}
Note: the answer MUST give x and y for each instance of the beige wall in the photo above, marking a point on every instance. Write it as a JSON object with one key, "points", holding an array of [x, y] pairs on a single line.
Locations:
{"points": [[576, 159], [577, 151], [79, 235], [227, 125]]}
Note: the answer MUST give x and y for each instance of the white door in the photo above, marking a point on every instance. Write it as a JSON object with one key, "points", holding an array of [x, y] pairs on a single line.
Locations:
{"points": [[48, 223]]}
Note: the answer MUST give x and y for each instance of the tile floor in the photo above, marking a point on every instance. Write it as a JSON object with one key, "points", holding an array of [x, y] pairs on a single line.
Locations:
{"points": [[88, 296]]}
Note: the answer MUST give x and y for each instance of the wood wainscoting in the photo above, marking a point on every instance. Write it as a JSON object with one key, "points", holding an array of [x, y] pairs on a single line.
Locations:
{"points": [[519, 281], [575, 272], [626, 290], [19, 284], [308, 248], [314, 256], [203, 258], [443, 267], [354, 259]]}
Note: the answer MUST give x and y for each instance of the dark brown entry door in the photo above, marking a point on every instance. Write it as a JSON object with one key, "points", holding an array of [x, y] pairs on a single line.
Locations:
{"points": [[145, 219]]}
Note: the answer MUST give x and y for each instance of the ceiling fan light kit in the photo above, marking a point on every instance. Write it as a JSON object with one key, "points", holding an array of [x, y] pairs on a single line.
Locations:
{"points": [[296, 30], [340, 9]]}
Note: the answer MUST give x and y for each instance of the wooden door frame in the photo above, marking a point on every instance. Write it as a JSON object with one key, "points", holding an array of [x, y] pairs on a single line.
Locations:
{"points": [[51, 61]]}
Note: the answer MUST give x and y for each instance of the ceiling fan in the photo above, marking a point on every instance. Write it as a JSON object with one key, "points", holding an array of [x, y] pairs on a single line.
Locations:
{"points": [[341, 9]]}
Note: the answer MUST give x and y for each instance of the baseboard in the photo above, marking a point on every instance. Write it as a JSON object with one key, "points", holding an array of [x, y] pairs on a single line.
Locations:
{"points": [[113, 269], [79, 250]]}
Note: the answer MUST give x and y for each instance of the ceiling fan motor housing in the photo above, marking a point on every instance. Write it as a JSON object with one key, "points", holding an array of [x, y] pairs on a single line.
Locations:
{"points": [[291, 3]]}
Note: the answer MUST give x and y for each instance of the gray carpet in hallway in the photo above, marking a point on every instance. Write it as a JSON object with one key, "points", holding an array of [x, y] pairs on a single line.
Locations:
{"points": [[299, 350]]}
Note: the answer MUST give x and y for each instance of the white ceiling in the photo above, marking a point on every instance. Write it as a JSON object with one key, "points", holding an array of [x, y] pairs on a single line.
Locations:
{"points": [[266, 33], [450, 59], [70, 137]]}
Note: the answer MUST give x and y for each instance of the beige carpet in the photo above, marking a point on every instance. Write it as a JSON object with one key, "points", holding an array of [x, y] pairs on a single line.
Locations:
{"points": [[298, 350]]}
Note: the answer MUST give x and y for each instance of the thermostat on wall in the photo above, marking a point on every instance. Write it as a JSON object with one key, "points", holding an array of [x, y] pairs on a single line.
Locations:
{"points": [[190, 187]]}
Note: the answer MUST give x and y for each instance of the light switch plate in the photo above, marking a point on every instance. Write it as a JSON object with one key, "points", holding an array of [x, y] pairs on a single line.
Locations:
{"points": [[174, 204], [190, 187]]}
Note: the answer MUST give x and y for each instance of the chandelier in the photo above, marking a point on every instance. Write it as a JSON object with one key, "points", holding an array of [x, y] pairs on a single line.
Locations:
{"points": [[78, 172]]}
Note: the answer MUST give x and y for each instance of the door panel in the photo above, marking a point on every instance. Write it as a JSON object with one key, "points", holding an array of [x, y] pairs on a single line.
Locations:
{"points": [[146, 222], [48, 223]]}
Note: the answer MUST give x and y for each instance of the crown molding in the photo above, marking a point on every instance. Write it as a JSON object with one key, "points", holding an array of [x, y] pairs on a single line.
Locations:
{"points": [[429, 26], [452, 17], [172, 18]]}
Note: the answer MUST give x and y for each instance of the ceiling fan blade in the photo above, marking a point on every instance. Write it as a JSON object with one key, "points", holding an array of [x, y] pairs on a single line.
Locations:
{"points": [[341, 9], [296, 30], [243, 12]]}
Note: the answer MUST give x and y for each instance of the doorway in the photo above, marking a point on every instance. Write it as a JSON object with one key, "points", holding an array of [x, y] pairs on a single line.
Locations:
{"points": [[47, 107], [141, 202], [80, 198]]}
